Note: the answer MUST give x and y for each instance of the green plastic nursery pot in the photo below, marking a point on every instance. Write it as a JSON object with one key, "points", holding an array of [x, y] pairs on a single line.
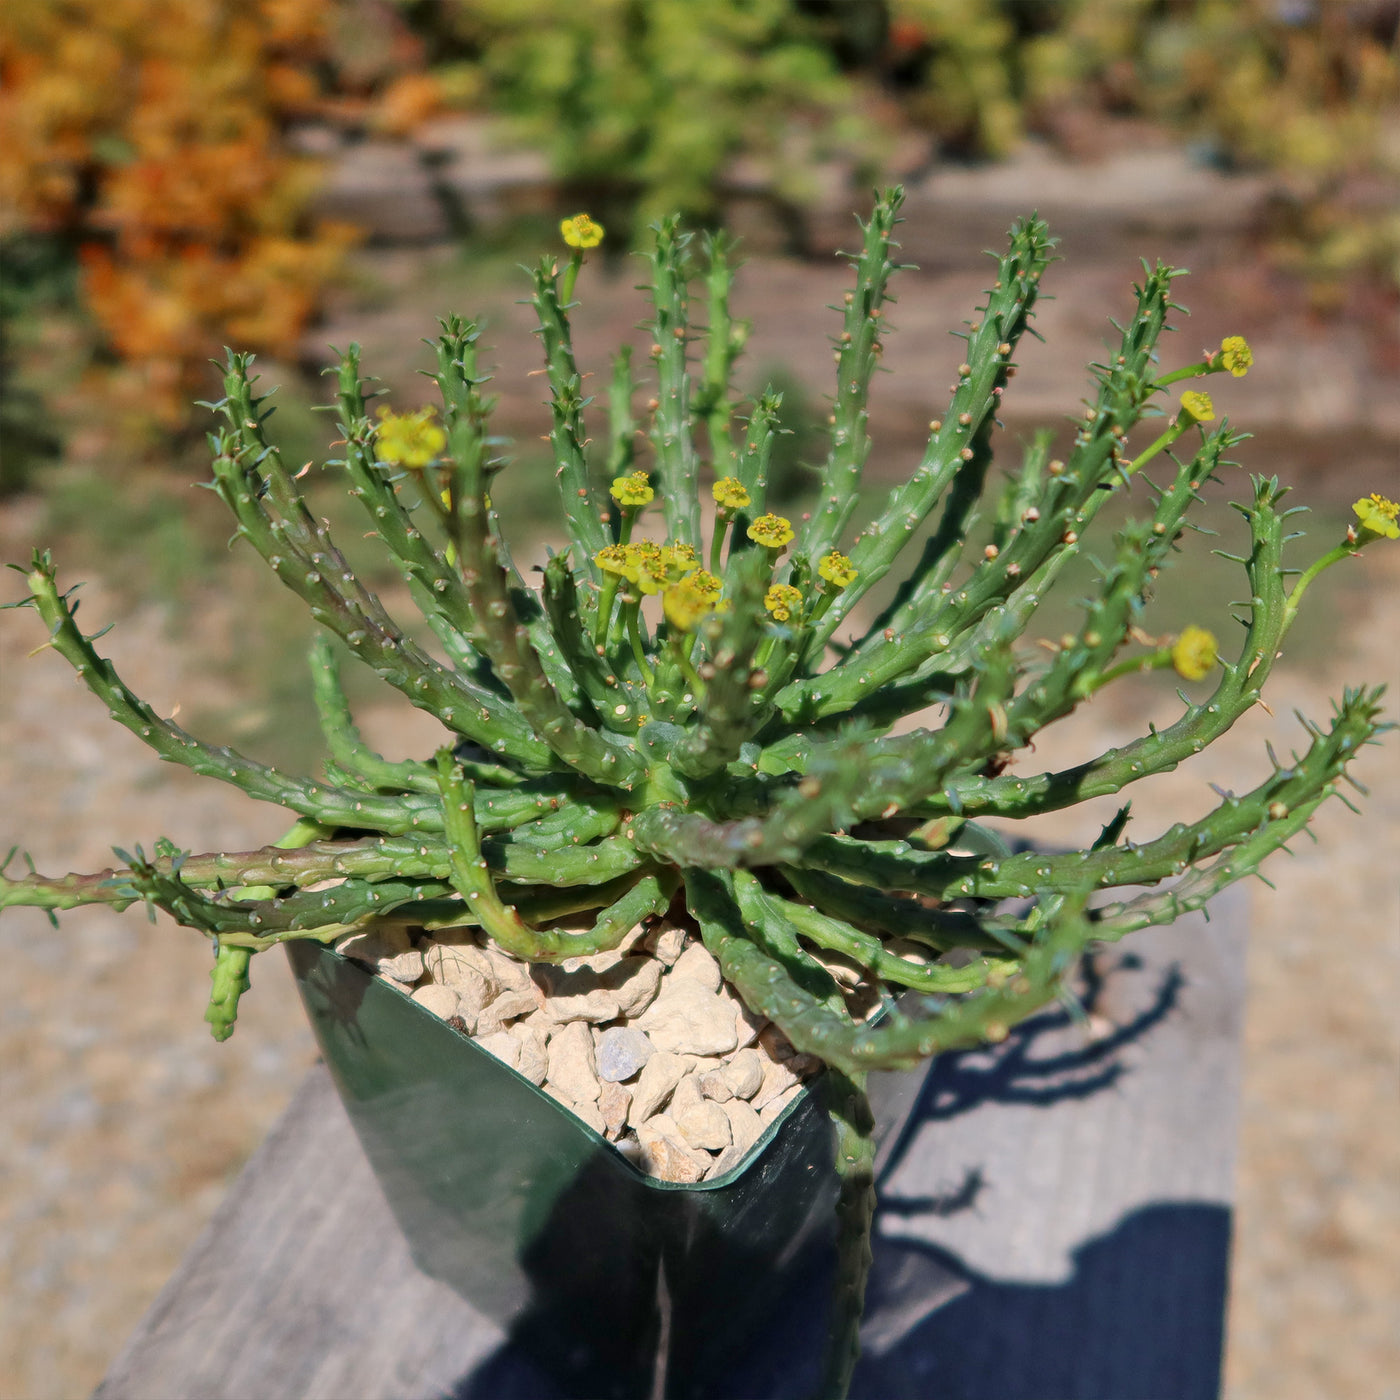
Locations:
{"points": [[545, 1227]]}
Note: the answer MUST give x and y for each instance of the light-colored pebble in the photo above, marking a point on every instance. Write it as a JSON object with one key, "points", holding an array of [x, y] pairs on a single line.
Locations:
{"points": [[777, 1079], [597, 963], [668, 945], [659, 1076], [447, 961], [704, 1125], [585, 1112], [441, 1001], [374, 945], [685, 1096], [667, 1155], [699, 965], [847, 972], [534, 1056], [403, 967], [744, 1123], [743, 1074], [636, 982], [621, 1052], [503, 1045], [453, 967], [774, 1107], [509, 1006], [613, 1103], [388, 952], [715, 1086], [689, 1020], [726, 1161], [579, 996], [748, 1024], [572, 1069], [510, 972]]}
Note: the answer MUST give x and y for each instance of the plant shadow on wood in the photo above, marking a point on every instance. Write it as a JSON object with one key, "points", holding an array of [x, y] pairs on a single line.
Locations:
{"points": [[1146, 1299]]}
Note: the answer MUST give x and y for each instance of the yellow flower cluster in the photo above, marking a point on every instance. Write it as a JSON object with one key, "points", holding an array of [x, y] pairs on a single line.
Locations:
{"points": [[782, 600], [410, 440], [771, 531], [837, 570], [581, 232], [1235, 355], [685, 603], [1194, 652], [1198, 405], [1378, 515], [652, 567], [729, 493], [633, 490]]}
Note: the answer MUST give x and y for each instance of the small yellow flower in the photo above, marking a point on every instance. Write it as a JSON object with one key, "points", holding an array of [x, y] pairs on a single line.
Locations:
{"points": [[1194, 652], [1235, 355], [782, 600], [408, 439], [679, 560], [707, 583], [1377, 515], [617, 559], [686, 602], [772, 531], [836, 569], [730, 494], [581, 232], [633, 490], [652, 574], [1198, 405]]}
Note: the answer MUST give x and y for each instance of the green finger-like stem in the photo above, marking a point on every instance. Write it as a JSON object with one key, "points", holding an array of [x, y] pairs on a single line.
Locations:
{"points": [[858, 355], [470, 875], [934, 978], [343, 739], [580, 509], [323, 803], [724, 340], [672, 432], [229, 978], [898, 865], [253, 483], [971, 1020], [612, 699], [436, 586], [499, 631], [1003, 320]]}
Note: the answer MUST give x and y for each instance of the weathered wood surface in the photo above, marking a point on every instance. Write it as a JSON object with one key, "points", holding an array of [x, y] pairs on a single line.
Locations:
{"points": [[1054, 1225]]}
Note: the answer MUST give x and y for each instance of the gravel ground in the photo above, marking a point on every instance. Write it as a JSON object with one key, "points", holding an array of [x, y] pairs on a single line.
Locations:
{"points": [[124, 1123]]}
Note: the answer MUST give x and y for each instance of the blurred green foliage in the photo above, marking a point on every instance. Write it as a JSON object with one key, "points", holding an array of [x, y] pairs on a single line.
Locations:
{"points": [[649, 106], [643, 105]]}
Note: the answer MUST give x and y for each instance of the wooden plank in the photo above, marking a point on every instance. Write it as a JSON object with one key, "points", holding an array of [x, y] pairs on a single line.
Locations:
{"points": [[1053, 1226], [1057, 1226]]}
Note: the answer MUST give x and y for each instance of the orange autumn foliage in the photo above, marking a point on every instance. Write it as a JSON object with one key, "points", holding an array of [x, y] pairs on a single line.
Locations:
{"points": [[153, 132]]}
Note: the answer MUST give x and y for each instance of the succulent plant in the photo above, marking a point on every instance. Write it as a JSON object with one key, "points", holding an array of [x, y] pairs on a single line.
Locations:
{"points": [[675, 725]]}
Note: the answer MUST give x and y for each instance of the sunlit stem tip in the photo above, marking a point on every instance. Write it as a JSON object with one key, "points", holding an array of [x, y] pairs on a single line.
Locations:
{"points": [[730, 498], [579, 232], [1234, 356], [1196, 407], [1377, 520]]}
